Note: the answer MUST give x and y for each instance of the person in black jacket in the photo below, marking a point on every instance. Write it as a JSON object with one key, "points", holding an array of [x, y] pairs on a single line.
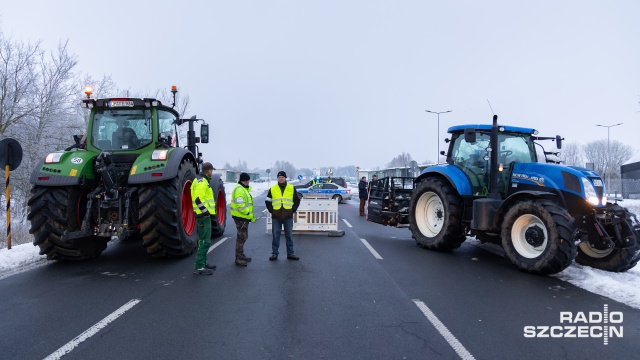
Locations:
{"points": [[363, 193], [282, 202]]}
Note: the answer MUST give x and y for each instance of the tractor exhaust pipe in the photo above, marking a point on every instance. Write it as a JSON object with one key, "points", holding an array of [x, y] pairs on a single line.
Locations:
{"points": [[493, 185]]}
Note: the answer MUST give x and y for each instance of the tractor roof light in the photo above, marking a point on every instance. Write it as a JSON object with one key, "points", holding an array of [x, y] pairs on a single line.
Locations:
{"points": [[88, 90]]}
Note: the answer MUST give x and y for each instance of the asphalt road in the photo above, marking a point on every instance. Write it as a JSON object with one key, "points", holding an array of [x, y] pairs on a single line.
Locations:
{"points": [[339, 301]]}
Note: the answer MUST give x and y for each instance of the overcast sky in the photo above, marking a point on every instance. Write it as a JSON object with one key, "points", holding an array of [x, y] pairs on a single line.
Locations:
{"points": [[338, 83]]}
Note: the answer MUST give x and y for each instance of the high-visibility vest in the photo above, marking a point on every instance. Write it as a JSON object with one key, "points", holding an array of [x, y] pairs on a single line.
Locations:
{"points": [[279, 199], [201, 190], [242, 202]]}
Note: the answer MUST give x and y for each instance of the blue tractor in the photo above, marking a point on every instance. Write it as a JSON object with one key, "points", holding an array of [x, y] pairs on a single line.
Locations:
{"points": [[493, 186]]}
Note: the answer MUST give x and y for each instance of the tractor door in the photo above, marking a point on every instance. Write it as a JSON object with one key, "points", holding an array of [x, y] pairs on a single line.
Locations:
{"points": [[473, 159]]}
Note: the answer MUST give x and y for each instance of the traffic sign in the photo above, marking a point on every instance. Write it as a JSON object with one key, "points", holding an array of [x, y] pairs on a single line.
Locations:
{"points": [[10, 153]]}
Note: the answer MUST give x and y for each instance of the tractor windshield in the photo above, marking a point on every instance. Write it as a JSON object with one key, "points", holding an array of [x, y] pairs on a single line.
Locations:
{"points": [[474, 159], [121, 129]]}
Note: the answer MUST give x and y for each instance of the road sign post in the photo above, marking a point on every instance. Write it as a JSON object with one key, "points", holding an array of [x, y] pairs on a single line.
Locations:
{"points": [[10, 159]]}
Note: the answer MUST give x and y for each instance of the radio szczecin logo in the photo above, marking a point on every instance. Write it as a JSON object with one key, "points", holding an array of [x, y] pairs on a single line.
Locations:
{"points": [[593, 324]]}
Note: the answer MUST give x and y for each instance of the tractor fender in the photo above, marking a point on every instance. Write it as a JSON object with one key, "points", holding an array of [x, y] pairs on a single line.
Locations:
{"points": [[452, 174], [74, 168], [525, 195], [145, 170]]}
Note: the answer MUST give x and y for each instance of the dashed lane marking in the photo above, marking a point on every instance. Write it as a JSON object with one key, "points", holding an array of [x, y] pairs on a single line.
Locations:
{"points": [[453, 342], [65, 349], [373, 251], [217, 244], [346, 222]]}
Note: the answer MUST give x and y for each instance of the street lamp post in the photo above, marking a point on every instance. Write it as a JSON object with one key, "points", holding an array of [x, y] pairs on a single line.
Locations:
{"points": [[606, 164], [438, 113]]}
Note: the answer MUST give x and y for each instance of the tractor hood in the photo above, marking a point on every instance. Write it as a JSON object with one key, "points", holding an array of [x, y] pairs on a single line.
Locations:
{"points": [[580, 181]]}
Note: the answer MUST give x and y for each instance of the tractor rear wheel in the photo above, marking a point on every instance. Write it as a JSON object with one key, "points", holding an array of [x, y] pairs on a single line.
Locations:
{"points": [[537, 236], [54, 211], [436, 216], [167, 220], [218, 222]]}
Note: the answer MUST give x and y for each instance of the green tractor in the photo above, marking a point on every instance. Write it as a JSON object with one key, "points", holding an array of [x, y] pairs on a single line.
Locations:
{"points": [[126, 179]]}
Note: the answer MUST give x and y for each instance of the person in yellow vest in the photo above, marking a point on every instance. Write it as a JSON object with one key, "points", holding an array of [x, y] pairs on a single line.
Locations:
{"points": [[204, 205], [282, 202], [242, 214]]}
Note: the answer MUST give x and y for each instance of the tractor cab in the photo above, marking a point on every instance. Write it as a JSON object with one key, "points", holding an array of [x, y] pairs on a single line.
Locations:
{"points": [[470, 151]]}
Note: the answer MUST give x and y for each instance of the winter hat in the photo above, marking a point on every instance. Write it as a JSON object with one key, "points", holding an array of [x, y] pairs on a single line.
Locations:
{"points": [[207, 166], [282, 173], [245, 177]]}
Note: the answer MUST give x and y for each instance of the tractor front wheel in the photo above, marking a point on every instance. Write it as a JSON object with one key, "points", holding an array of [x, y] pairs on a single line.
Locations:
{"points": [[537, 236]]}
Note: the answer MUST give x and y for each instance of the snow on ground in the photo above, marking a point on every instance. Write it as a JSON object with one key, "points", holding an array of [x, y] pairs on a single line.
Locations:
{"points": [[621, 287]]}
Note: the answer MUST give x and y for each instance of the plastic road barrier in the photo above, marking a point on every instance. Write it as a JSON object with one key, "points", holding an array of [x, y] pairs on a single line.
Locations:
{"points": [[314, 215]]}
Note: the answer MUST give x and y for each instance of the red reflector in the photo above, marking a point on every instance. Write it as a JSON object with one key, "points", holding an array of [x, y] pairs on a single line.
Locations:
{"points": [[156, 174], [43, 178]]}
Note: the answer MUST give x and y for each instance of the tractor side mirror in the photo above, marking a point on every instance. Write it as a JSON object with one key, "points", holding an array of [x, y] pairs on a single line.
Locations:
{"points": [[469, 135], [559, 141], [204, 133]]}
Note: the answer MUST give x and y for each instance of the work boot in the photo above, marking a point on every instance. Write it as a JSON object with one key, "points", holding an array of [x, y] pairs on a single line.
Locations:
{"points": [[245, 258], [203, 271], [210, 267], [241, 262]]}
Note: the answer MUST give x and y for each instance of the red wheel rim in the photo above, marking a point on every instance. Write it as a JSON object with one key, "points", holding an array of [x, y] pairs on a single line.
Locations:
{"points": [[221, 207], [188, 217]]}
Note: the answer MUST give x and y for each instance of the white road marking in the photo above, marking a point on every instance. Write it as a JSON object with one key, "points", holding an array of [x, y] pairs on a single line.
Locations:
{"points": [[453, 342], [346, 222], [65, 349], [217, 244], [373, 251]]}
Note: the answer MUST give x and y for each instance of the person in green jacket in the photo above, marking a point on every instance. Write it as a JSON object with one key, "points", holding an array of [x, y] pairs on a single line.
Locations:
{"points": [[204, 205], [242, 214]]}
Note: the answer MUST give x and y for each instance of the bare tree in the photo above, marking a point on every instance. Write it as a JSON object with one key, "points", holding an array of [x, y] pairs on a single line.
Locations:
{"points": [[572, 154], [284, 166], [607, 158], [401, 160], [18, 78]]}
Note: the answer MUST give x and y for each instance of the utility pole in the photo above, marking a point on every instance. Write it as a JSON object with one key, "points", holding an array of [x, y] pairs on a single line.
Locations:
{"points": [[438, 113], [606, 163]]}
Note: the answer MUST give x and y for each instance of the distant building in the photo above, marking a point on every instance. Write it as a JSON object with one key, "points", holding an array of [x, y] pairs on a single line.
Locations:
{"points": [[630, 184]]}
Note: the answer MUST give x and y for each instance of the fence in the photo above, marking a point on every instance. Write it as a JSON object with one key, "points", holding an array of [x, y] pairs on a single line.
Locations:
{"points": [[627, 188]]}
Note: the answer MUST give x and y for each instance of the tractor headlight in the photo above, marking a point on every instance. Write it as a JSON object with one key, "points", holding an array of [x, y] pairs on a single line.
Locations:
{"points": [[590, 192], [159, 155], [53, 158]]}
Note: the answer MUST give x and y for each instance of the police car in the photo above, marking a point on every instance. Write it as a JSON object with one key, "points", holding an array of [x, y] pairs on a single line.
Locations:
{"points": [[328, 190]]}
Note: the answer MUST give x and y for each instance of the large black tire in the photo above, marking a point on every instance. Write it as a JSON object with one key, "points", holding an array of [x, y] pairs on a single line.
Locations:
{"points": [[54, 210], [436, 216], [615, 259], [167, 220], [218, 222], [537, 236]]}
